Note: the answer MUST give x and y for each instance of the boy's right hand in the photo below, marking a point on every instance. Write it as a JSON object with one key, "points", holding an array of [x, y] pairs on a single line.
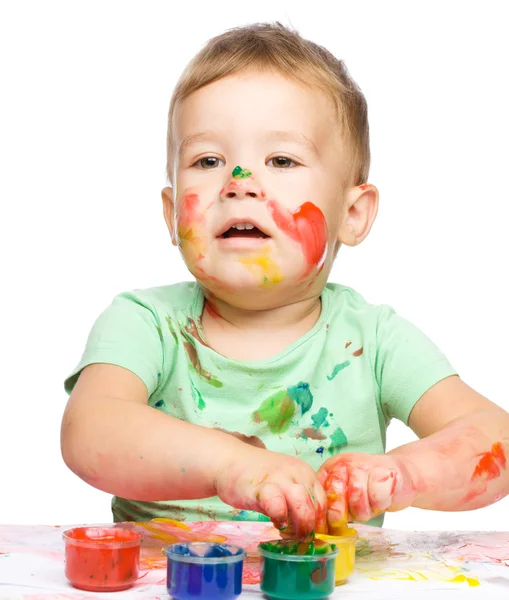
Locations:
{"points": [[282, 487]]}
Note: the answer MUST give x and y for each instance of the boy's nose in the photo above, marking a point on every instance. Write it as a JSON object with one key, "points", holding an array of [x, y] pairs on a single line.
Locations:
{"points": [[241, 189]]}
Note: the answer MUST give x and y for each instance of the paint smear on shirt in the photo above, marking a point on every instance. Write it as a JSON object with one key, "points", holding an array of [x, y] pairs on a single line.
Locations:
{"points": [[197, 366], [307, 227], [337, 369], [277, 411], [197, 397], [319, 419], [251, 440], [312, 434], [338, 440], [172, 328], [302, 395]]}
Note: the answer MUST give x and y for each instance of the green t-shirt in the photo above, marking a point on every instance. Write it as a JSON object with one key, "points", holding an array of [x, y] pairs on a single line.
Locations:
{"points": [[333, 390]]}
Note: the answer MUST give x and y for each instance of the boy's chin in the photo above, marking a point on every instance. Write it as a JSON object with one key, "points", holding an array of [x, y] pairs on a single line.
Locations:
{"points": [[250, 294]]}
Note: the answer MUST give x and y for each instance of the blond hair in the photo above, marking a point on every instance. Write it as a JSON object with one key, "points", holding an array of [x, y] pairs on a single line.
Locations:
{"points": [[273, 46]]}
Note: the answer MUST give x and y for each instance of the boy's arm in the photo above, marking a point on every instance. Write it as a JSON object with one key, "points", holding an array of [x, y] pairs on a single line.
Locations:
{"points": [[460, 462], [113, 440]]}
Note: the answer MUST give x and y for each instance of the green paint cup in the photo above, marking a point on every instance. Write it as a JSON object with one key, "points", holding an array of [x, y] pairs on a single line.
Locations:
{"points": [[290, 572]]}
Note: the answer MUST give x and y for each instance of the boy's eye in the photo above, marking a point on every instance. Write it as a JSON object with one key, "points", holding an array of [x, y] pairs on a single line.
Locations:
{"points": [[208, 162], [282, 162]]}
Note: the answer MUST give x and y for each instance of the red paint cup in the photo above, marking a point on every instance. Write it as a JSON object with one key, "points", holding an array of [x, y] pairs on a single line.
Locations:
{"points": [[102, 559]]}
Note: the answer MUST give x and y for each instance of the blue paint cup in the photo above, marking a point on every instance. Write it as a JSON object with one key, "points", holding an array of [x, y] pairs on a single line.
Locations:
{"points": [[204, 570]]}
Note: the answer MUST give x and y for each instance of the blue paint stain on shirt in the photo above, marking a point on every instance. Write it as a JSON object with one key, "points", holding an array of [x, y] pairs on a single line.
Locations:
{"points": [[302, 395]]}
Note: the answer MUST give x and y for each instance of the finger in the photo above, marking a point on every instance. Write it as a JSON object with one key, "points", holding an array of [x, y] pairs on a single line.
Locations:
{"points": [[301, 511], [381, 486], [358, 498], [336, 490], [272, 503], [320, 509]]}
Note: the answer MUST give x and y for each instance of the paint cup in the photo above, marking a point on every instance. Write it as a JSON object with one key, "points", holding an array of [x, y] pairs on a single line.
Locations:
{"points": [[204, 570], [297, 571], [102, 559], [345, 560]]}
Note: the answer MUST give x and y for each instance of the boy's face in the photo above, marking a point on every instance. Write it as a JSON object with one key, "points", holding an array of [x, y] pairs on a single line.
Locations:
{"points": [[259, 178]]}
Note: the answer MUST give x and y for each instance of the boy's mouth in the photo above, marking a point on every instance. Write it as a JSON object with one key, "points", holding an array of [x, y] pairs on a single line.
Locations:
{"points": [[242, 229]]}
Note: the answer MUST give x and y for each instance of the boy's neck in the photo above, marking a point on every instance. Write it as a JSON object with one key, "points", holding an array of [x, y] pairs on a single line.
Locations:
{"points": [[286, 316], [265, 333]]}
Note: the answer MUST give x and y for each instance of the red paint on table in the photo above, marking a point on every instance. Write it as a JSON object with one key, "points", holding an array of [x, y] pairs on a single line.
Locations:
{"points": [[102, 559], [307, 227]]}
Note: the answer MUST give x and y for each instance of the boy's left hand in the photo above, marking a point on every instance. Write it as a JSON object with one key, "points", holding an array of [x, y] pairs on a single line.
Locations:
{"points": [[361, 486]]}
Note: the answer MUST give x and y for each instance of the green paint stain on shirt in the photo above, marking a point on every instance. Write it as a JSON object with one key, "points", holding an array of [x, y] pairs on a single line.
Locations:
{"points": [[338, 440], [339, 367], [302, 395], [277, 411], [198, 398], [240, 173], [320, 418], [194, 363], [172, 329], [159, 333], [159, 403]]}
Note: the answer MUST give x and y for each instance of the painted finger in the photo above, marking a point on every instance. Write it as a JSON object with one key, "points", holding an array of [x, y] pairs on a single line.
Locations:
{"points": [[336, 490], [381, 486], [301, 510], [320, 509], [272, 502], [358, 499], [329, 466]]}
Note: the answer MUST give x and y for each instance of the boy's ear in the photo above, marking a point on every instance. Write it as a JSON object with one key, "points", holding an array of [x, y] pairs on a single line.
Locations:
{"points": [[169, 212], [360, 210]]}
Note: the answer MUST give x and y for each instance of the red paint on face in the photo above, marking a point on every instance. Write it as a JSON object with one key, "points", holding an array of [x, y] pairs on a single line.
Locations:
{"points": [[233, 186], [307, 227], [189, 211], [491, 463], [364, 186]]}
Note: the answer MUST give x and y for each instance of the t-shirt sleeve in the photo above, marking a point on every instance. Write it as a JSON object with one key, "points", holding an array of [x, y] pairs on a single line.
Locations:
{"points": [[407, 364], [126, 334]]}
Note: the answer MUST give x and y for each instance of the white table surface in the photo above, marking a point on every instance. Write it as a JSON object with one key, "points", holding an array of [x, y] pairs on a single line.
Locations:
{"points": [[390, 565]]}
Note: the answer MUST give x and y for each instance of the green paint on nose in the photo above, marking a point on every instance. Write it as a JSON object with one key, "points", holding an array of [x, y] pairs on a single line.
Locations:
{"points": [[240, 173]]}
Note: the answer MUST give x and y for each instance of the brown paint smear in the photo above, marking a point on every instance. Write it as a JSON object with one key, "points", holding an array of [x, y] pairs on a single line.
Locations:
{"points": [[252, 440]]}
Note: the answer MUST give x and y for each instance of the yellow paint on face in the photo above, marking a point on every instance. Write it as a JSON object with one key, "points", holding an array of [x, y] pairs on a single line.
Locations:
{"points": [[191, 245], [263, 263]]}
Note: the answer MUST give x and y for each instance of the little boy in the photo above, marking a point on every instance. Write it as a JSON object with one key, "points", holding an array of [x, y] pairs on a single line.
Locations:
{"points": [[261, 391]]}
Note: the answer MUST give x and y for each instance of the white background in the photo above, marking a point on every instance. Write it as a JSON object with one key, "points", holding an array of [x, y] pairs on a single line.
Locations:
{"points": [[85, 92]]}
